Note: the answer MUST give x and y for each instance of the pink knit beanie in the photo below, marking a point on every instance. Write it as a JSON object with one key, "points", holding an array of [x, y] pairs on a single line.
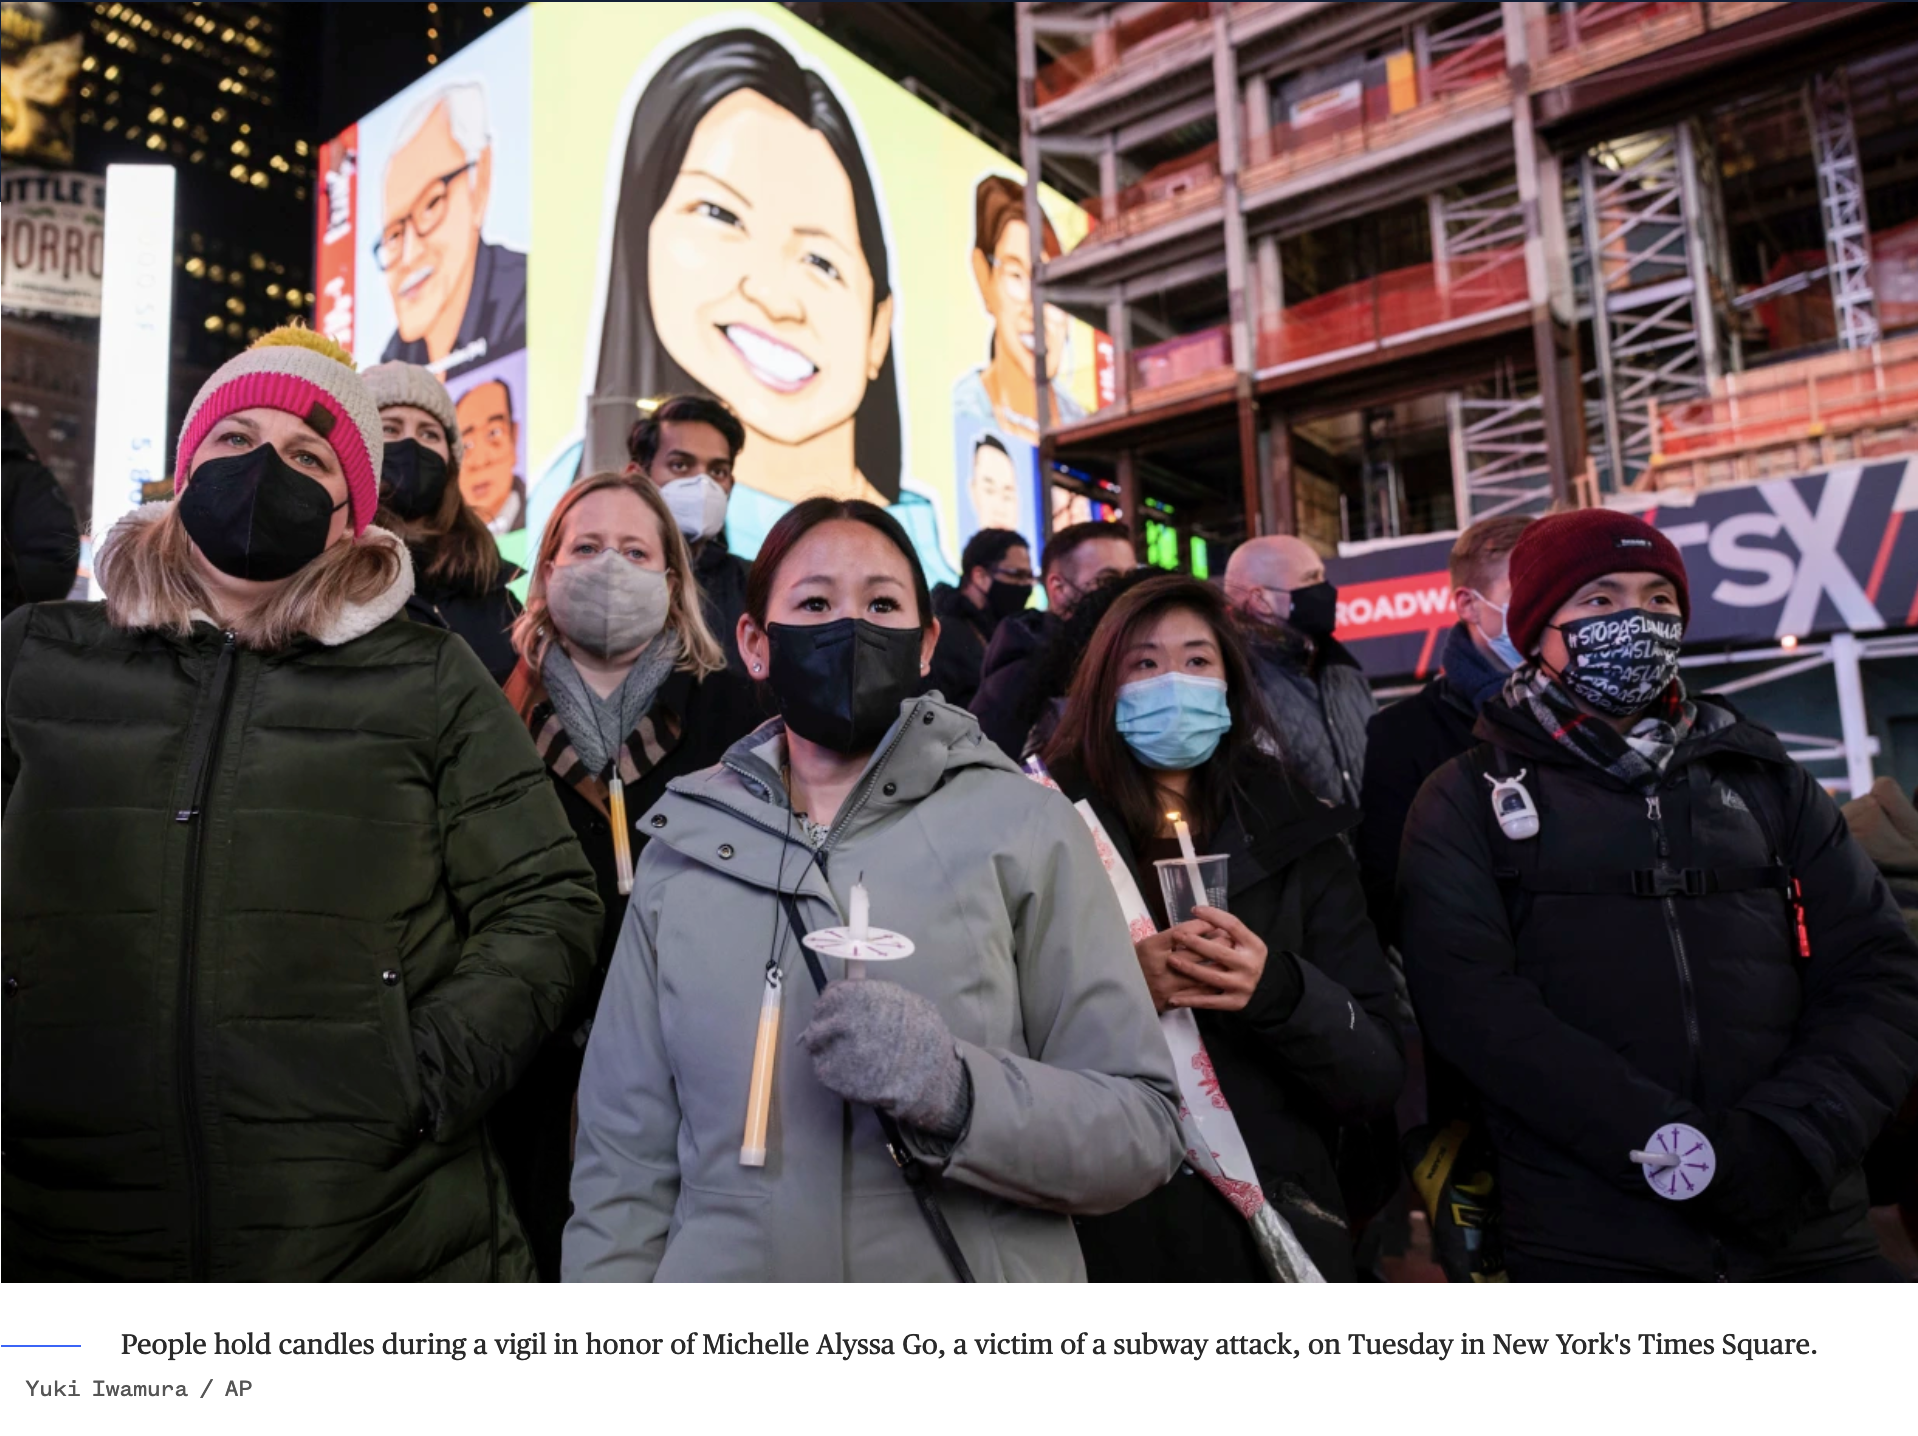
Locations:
{"points": [[307, 375]]}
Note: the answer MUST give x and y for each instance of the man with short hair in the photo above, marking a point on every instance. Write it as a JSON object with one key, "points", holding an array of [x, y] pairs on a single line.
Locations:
{"points": [[1683, 995], [1409, 741], [1315, 690], [490, 481], [687, 446], [457, 300], [997, 582], [1077, 560]]}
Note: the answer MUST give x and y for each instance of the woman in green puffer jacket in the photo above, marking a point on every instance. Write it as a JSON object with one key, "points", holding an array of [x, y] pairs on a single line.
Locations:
{"points": [[289, 900]]}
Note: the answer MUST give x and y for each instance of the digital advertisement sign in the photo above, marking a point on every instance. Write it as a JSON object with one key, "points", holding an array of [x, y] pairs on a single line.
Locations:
{"points": [[725, 202]]}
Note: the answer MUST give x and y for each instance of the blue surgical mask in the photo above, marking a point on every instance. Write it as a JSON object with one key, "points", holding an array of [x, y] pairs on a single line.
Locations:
{"points": [[1503, 646], [1173, 722]]}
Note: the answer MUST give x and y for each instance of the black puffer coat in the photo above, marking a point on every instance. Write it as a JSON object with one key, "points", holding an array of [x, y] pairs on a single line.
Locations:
{"points": [[1586, 1020], [1004, 673], [484, 619], [722, 576], [1298, 1067], [280, 928]]}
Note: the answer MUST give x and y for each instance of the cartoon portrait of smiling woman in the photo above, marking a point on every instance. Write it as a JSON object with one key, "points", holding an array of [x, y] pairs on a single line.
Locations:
{"points": [[749, 261]]}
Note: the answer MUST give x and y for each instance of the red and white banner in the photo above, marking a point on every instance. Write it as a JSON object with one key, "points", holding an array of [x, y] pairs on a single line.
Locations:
{"points": [[334, 237]]}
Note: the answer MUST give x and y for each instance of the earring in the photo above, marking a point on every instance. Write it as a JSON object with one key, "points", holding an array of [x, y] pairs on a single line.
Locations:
{"points": [[755, 668]]}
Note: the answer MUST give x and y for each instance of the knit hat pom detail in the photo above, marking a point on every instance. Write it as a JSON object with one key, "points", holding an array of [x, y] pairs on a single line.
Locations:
{"points": [[299, 336]]}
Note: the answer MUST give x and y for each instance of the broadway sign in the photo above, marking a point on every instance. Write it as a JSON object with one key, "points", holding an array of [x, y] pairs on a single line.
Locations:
{"points": [[1803, 556]]}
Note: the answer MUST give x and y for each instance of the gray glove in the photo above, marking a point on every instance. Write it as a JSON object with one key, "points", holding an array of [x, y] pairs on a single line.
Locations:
{"points": [[875, 1043]]}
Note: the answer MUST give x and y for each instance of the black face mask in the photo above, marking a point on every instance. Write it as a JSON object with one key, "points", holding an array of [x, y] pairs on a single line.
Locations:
{"points": [[1618, 663], [1315, 609], [412, 479], [255, 516], [840, 684], [1005, 599]]}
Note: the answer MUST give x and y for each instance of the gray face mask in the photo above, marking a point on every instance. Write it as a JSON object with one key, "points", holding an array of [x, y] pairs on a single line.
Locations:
{"points": [[608, 605]]}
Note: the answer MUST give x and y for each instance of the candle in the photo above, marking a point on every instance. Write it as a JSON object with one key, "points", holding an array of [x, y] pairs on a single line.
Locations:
{"points": [[1191, 856], [759, 1095], [861, 925]]}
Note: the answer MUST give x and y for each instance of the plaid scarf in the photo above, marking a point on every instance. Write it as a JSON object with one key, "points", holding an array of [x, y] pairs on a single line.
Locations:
{"points": [[655, 735], [1637, 758]]}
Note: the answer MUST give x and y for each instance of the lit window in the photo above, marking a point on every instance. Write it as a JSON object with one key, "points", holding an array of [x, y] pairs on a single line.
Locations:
{"points": [[235, 305], [246, 129], [212, 323], [239, 148], [258, 261], [196, 266], [299, 147], [295, 298], [259, 179], [238, 172], [273, 291], [218, 117], [218, 272], [156, 141], [233, 329], [432, 59]]}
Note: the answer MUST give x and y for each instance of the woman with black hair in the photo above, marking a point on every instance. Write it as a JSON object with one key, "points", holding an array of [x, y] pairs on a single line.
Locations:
{"points": [[1290, 988], [749, 260], [1011, 1063]]}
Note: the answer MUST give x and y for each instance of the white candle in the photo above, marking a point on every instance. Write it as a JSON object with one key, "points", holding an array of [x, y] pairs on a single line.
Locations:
{"points": [[861, 912], [861, 922], [1191, 856]]}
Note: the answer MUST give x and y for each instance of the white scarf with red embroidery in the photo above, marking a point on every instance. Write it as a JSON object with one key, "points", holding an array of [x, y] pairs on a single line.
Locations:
{"points": [[1214, 1146]]}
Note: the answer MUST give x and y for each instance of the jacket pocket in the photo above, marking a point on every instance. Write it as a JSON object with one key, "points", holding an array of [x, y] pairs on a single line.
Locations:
{"points": [[396, 1020]]}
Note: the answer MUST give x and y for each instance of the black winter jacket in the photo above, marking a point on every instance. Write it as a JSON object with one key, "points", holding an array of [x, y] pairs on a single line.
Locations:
{"points": [[484, 620], [1404, 745], [964, 632], [1296, 1065], [41, 552], [1319, 712], [1587, 1020], [722, 597], [280, 928], [1003, 675]]}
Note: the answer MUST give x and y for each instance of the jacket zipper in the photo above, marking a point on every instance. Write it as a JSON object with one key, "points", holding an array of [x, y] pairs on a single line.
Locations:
{"points": [[200, 769], [1687, 996]]}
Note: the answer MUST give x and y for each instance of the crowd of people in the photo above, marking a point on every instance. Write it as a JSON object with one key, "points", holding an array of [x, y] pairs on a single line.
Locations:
{"points": [[792, 920]]}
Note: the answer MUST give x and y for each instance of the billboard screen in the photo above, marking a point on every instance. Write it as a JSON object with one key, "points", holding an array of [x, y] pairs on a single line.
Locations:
{"points": [[727, 202], [422, 232], [1796, 557], [730, 202]]}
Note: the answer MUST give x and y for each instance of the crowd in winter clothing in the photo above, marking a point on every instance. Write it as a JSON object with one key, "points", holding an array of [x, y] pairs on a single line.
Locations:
{"points": [[704, 920]]}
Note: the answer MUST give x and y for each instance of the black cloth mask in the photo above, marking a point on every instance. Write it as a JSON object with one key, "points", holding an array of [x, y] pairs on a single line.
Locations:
{"points": [[1618, 663], [840, 684], [1315, 609], [412, 479], [255, 516], [1005, 599]]}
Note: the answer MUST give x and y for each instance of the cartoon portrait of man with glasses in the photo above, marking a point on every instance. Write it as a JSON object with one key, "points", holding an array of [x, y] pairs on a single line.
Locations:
{"points": [[458, 300]]}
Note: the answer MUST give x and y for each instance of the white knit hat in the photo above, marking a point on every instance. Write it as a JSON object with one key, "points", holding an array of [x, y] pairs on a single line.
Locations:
{"points": [[395, 383]]}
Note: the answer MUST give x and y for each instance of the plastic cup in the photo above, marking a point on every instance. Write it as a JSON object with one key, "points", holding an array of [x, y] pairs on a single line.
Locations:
{"points": [[1175, 882]]}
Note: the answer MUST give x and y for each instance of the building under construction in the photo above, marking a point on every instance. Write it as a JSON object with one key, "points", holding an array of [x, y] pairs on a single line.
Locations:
{"points": [[1372, 272]]}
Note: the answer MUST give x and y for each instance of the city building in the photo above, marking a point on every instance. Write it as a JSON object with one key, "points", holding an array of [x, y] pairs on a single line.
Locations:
{"points": [[1375, 271]]}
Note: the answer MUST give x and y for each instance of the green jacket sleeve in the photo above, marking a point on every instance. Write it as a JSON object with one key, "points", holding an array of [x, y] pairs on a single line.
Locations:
{"points": [[1088, 1123], [626, 1157], [523, 891]]}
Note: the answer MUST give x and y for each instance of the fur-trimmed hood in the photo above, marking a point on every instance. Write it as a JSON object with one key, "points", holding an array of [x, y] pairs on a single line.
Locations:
{"points": [[354, 620]]}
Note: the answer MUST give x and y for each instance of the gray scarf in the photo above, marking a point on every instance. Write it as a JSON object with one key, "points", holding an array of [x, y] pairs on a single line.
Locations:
{"points": [[598, 726]]}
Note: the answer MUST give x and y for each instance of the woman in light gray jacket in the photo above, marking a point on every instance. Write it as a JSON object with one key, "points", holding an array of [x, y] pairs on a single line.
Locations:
{"points": [[1013, 1063]]}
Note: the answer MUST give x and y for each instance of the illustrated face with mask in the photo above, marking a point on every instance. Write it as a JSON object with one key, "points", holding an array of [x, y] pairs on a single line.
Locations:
{"points": [[1615, 644], [693, 468], [416, 464], [840, 643], [265, 496], [607, 590], [1173, 703]]}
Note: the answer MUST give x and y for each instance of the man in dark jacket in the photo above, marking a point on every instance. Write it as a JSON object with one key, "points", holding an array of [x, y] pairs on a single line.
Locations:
{"points": [[1408, 742], [1077, 560], [687, 446], [1685, 998], [997, 582], [42, 542], [1314, 689]]}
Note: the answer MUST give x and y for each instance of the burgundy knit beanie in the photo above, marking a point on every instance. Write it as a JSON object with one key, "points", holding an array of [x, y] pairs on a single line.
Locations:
{"points": [[1558, 555]]}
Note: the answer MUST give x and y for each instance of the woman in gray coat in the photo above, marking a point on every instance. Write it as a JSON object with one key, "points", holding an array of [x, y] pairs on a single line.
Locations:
{"points": [[1013, 1063]]}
